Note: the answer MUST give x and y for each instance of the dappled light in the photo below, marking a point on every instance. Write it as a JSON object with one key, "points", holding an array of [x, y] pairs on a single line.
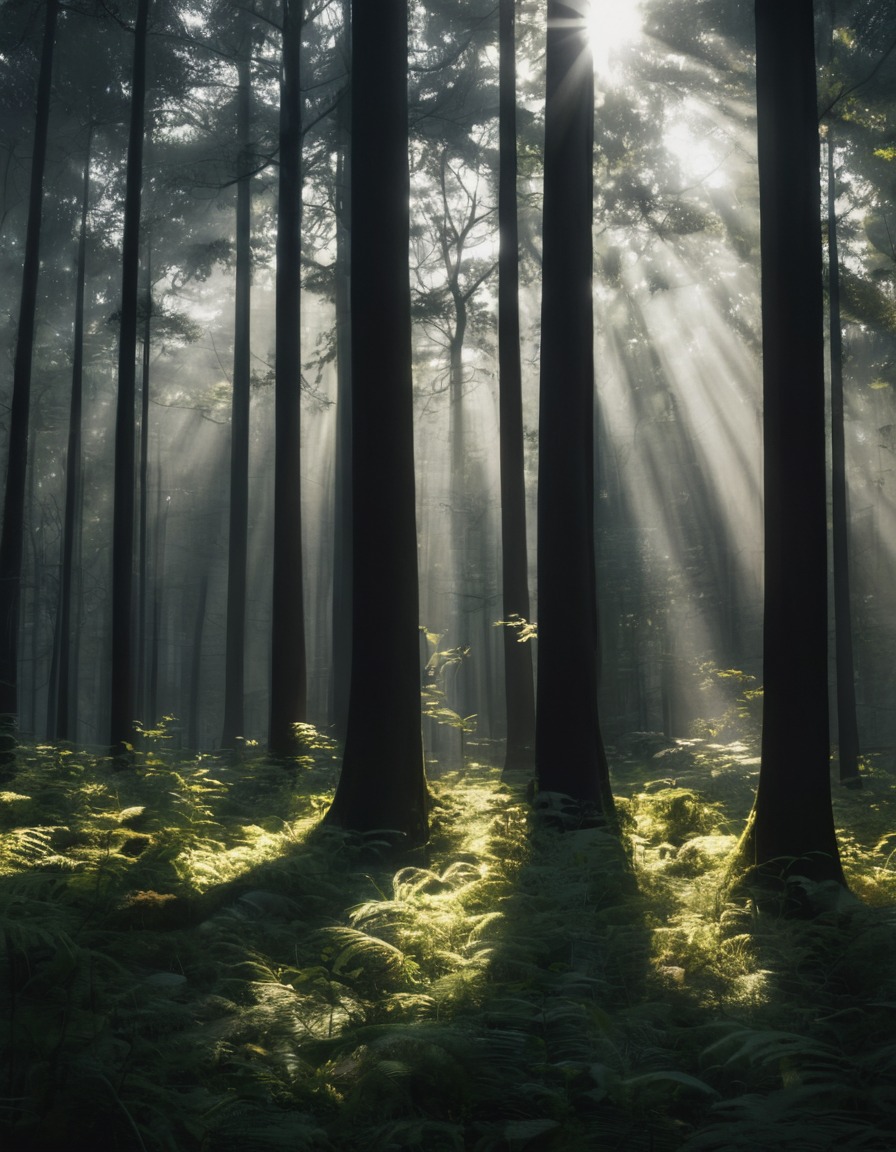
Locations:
{"points": [[285, 980]]}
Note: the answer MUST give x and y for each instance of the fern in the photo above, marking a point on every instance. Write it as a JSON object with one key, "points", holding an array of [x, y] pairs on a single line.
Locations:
{"points": [[190, 964]]}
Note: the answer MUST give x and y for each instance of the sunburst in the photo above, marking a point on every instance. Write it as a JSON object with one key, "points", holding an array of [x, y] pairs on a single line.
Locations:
{"points": [[613, 25]]}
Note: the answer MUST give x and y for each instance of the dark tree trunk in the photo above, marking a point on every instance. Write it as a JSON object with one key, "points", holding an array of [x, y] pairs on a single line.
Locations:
{"points": [[460, 697], [71, 526], [53, 681], [456, 423], [288, 675], [193, 730], [382, 785], [342, 511], [518, 679], [792, 815], [121, 719], [570, 754], [37, 534], [13, 534], [143, 524], [158, 584], [237, 557], [847, 724]]}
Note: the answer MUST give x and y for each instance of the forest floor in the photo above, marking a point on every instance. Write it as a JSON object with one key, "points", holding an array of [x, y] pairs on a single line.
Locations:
{"points": [[192, 964]]}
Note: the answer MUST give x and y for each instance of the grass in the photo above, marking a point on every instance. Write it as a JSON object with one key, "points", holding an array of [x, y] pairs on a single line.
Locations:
{"points": [[191, 963]]}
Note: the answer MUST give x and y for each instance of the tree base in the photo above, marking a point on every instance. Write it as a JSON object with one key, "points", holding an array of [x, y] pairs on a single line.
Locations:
{"points": [[565, 813]]}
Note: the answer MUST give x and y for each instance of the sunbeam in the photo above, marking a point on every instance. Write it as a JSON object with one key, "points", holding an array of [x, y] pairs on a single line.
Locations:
{"points": [[613, 26]]}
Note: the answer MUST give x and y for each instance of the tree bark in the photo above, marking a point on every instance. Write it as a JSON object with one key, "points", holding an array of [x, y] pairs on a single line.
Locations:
{"points": [[518, 679], [569, 750], [71, 526], [13, 534], [342, 510], [288, 673], [121, 719], [193, 731], [847, 722], [238, 540], [793, 821], [143, 520], [158, 586], [382, 785]]}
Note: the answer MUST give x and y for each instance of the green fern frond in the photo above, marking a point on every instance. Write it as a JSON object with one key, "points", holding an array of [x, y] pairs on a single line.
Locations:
{"points": [[353, 949], [769, 1047]]}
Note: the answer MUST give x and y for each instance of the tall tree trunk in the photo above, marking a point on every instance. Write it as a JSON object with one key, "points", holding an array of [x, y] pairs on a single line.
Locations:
{"points": [[71, 524], [37, 534], [158, 584], [143, 520], [518, 678], [792, 815], [382, 784], [288, 673], [457, 432], [13, 534], [570, 753], [847, 723], [76, 615], [342, 510], [193, 729], [121, 718], [461, 510], [237, 556], [53, 682]]}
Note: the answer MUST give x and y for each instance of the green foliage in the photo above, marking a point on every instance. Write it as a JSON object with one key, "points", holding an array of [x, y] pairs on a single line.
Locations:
{"points": [[189, 961], [434, 706], [742, 719], [865, 301], [525, 630], [441, 668]]}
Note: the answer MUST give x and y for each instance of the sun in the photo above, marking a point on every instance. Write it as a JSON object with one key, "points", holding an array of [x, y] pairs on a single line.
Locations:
{"points": [[613, 25]]}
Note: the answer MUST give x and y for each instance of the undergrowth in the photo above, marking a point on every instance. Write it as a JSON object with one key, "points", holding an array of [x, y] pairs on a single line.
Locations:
{"points": [[192, 963]]}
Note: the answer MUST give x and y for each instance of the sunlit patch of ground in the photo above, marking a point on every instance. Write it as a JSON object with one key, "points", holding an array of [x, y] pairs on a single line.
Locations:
{"points": [[188, 935]]}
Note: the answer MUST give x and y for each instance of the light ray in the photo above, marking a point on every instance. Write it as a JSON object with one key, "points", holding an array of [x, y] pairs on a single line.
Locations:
{"points": [[613, 25]]}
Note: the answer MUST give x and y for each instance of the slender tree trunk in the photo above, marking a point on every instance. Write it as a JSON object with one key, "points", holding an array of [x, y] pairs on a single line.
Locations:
{"points": [[237, 557], [382, 784], [461, 510], [457, 432], [121, 719], [13, 534], [288, 673], [193, 730], [792, 815], [53, 683], [847, 723], [518, 678], [569, 749], [71, 523], [342, 512], [158, 584], [36, 535], [143, 520], [668, 676], [77, 616]]}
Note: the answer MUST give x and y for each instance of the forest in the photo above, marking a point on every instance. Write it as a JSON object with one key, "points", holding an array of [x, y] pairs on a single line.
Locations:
{"points": [[446, 575]]}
